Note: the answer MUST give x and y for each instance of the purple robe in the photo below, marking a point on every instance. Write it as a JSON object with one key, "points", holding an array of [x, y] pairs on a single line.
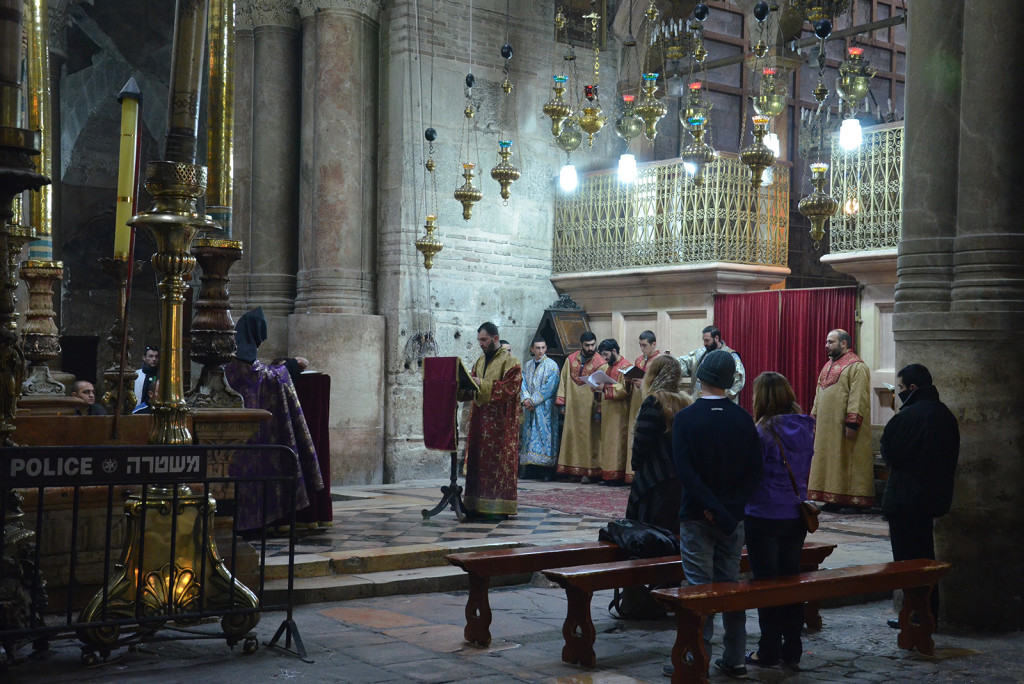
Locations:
{"points": [[270, 388]]}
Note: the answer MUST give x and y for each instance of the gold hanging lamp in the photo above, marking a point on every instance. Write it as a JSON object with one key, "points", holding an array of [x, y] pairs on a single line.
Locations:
{"points": [[428, 245], [505, 172], [694, 118], [819, 206], [758, 156], [855, 74], [557, 109], [650, 109], [592, 120], [628, 125], [467, 193], [771, 99]]}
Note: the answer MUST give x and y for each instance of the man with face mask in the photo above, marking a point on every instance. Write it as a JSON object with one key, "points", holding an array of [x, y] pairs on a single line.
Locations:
{"points": [[921, 446], [581, 433], [712, 339], [842, 470]]}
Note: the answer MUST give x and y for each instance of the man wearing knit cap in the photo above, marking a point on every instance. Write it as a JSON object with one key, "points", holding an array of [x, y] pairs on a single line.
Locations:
{"points": [[717, 456]]}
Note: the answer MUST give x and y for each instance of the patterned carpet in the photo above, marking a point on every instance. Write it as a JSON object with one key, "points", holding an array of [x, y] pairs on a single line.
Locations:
{"points": [[592, 500]]}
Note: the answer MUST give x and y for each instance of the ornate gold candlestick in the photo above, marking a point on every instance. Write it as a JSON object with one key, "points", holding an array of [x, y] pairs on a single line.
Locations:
{"points": [[213, 330], [41, 339], [119, 372]]}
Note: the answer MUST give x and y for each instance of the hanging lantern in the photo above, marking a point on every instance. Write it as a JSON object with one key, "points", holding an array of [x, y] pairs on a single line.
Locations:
{"points": [[592, 120], [629, 125], [819, 206], [771, 101], [557, 109], [855, 74], [467, 193], [817, 10], [694, 118], [570, 137], [757, 156], [650, 109], [429, 245], [505, 173]]}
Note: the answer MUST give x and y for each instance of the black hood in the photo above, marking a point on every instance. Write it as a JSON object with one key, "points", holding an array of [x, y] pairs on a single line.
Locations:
{"points": [[250, 332]]}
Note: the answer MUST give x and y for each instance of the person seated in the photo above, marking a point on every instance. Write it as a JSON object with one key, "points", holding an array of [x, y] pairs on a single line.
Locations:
{"points": [[151, 392], [269, 387], [84, 390]]}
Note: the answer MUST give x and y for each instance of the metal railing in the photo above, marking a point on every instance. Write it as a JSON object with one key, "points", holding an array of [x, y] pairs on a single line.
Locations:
{"points": [[663, 219], [87, 560], [868, 182]]}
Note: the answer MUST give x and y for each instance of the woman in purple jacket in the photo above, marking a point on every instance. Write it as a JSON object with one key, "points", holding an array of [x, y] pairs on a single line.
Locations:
{"points": [[774, 531]]}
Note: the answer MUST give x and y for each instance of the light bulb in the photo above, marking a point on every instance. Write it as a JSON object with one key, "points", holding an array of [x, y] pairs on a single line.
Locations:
{"points": [[690, 168], [850, 135], [771, 141], [627, 168], [567, 179]]}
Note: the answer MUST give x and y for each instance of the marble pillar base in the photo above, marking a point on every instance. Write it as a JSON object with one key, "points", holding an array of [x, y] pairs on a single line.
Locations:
{"points": [[349, 348], [980, 535]]}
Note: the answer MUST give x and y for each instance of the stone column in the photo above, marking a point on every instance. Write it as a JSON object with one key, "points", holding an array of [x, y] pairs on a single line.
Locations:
{"points": [[334, 324], [242, 178], [272, 237], [961, 286]]}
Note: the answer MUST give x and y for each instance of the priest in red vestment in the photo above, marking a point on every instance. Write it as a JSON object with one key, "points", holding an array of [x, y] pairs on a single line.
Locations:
{"points": [[492, 450]]}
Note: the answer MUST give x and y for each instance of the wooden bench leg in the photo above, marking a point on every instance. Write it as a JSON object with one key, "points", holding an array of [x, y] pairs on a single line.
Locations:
{"points": [[812, 615], [689, 657], [919, 635], [478, 611], [578, 629]]}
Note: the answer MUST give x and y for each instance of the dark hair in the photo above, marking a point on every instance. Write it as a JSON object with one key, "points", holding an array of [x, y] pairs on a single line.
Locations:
{"points": [[773, 396], [502, 341], [915, 374], [538, 339], [149, 349], [648, 337], [843, 336], [608, 345], [713, 331], [588, 337], [488, 328]]}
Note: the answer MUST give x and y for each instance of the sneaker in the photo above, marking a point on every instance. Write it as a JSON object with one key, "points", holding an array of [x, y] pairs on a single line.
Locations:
{"points": [[731, 670]]}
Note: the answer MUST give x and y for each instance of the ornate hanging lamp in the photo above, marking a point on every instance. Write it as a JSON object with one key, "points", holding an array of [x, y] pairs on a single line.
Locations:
{"points": [[757, 156], [628, 125], [855, 74], [428, 245], [694, 118], [505, 173], [816, 10], [557, 109], [819, 206], [592, 119], [650, 109], [467, 193], [771, 99]]}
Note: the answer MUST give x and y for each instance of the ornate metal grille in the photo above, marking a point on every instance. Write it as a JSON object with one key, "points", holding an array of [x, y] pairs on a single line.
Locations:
{"points": [[662, 219], [868, 183]]}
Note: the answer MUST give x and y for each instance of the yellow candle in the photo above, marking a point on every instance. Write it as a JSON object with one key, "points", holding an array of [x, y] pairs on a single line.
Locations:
{"points": [[129, 98]]}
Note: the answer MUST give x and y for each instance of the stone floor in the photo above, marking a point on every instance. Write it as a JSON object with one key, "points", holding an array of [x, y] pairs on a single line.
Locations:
{"points": [[418, 638]]}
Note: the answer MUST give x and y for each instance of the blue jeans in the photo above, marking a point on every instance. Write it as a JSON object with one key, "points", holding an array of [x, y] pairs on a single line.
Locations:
{"points": [[710, 555]]}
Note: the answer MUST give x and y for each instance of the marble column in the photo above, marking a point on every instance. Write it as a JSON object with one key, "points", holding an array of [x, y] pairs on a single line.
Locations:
{"points": [[271, 241], [961, 286], [242, 175], [335, 323]]}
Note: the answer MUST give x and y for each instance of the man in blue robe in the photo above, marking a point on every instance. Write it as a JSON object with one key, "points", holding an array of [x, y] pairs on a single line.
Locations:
{"points": [[538, 450]]}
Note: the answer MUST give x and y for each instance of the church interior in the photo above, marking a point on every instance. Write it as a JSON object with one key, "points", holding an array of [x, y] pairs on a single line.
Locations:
{"points": [[383, 176]]}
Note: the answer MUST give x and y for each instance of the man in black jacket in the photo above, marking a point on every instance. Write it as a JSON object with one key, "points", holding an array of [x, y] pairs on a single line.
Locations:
{"points": [[717, 456], [921, 445]]}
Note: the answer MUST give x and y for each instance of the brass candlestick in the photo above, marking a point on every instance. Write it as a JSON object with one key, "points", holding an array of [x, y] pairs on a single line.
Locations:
{"points": [[120, 370], [41, 338], [213, 330]]}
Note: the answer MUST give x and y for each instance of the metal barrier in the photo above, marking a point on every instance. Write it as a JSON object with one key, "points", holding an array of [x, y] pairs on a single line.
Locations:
{"points": [[170, 570]]}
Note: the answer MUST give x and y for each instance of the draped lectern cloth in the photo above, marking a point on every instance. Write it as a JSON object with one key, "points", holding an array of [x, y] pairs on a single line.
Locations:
{"points": [[442, 378]]}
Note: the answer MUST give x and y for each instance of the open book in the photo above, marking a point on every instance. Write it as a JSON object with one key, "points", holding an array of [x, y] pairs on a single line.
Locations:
{"points": [[634, 373], [598, 378]]}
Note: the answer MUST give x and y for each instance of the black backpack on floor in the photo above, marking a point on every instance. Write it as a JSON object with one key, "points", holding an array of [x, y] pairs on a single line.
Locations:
{"points": [[638, 540]]}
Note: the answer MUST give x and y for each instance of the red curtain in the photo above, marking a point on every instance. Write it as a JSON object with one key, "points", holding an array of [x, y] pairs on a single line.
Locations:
{"points": [[750, 325], [809, 315], [784, 331]]}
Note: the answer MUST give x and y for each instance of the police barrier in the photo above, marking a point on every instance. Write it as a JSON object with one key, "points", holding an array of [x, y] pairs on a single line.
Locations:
{"points": [[170, 570]]}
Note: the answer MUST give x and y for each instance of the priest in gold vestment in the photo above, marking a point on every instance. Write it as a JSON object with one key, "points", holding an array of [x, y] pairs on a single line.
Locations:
{"points": [[842, 470], [615, 416], [581, 433], [492, 448]]}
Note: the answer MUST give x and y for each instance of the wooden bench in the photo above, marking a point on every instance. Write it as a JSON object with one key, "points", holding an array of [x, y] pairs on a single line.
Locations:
{"points": [[582, 581], [483, 565], [692, 604]]}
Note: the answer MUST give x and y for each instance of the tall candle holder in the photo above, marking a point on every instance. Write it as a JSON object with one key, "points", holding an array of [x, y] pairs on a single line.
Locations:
{"points": [[120, 373], [213, 331], [41, 337]]}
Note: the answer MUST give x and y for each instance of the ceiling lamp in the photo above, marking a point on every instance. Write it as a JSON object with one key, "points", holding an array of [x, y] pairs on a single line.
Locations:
{"points": [[850, 135], [627, 168], [429, 245], [819, 206], [567, 178], [757, 156], [557, 109], [771, 100], [650, 108], [694, 118], [592, 120], [855, 74], [629, 125], [505, 172], [467, 193], [816, 10]]}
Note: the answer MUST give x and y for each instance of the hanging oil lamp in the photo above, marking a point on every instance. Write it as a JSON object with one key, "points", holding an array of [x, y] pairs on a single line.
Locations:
{"points": [[593, 119], [650, 109], [467, 193], [855, 74], [570, 138], [429, 245], [819, 206], [557, 109], [629, 125], [758, 156], [697, 155], [771, 101], [505, 173]]}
